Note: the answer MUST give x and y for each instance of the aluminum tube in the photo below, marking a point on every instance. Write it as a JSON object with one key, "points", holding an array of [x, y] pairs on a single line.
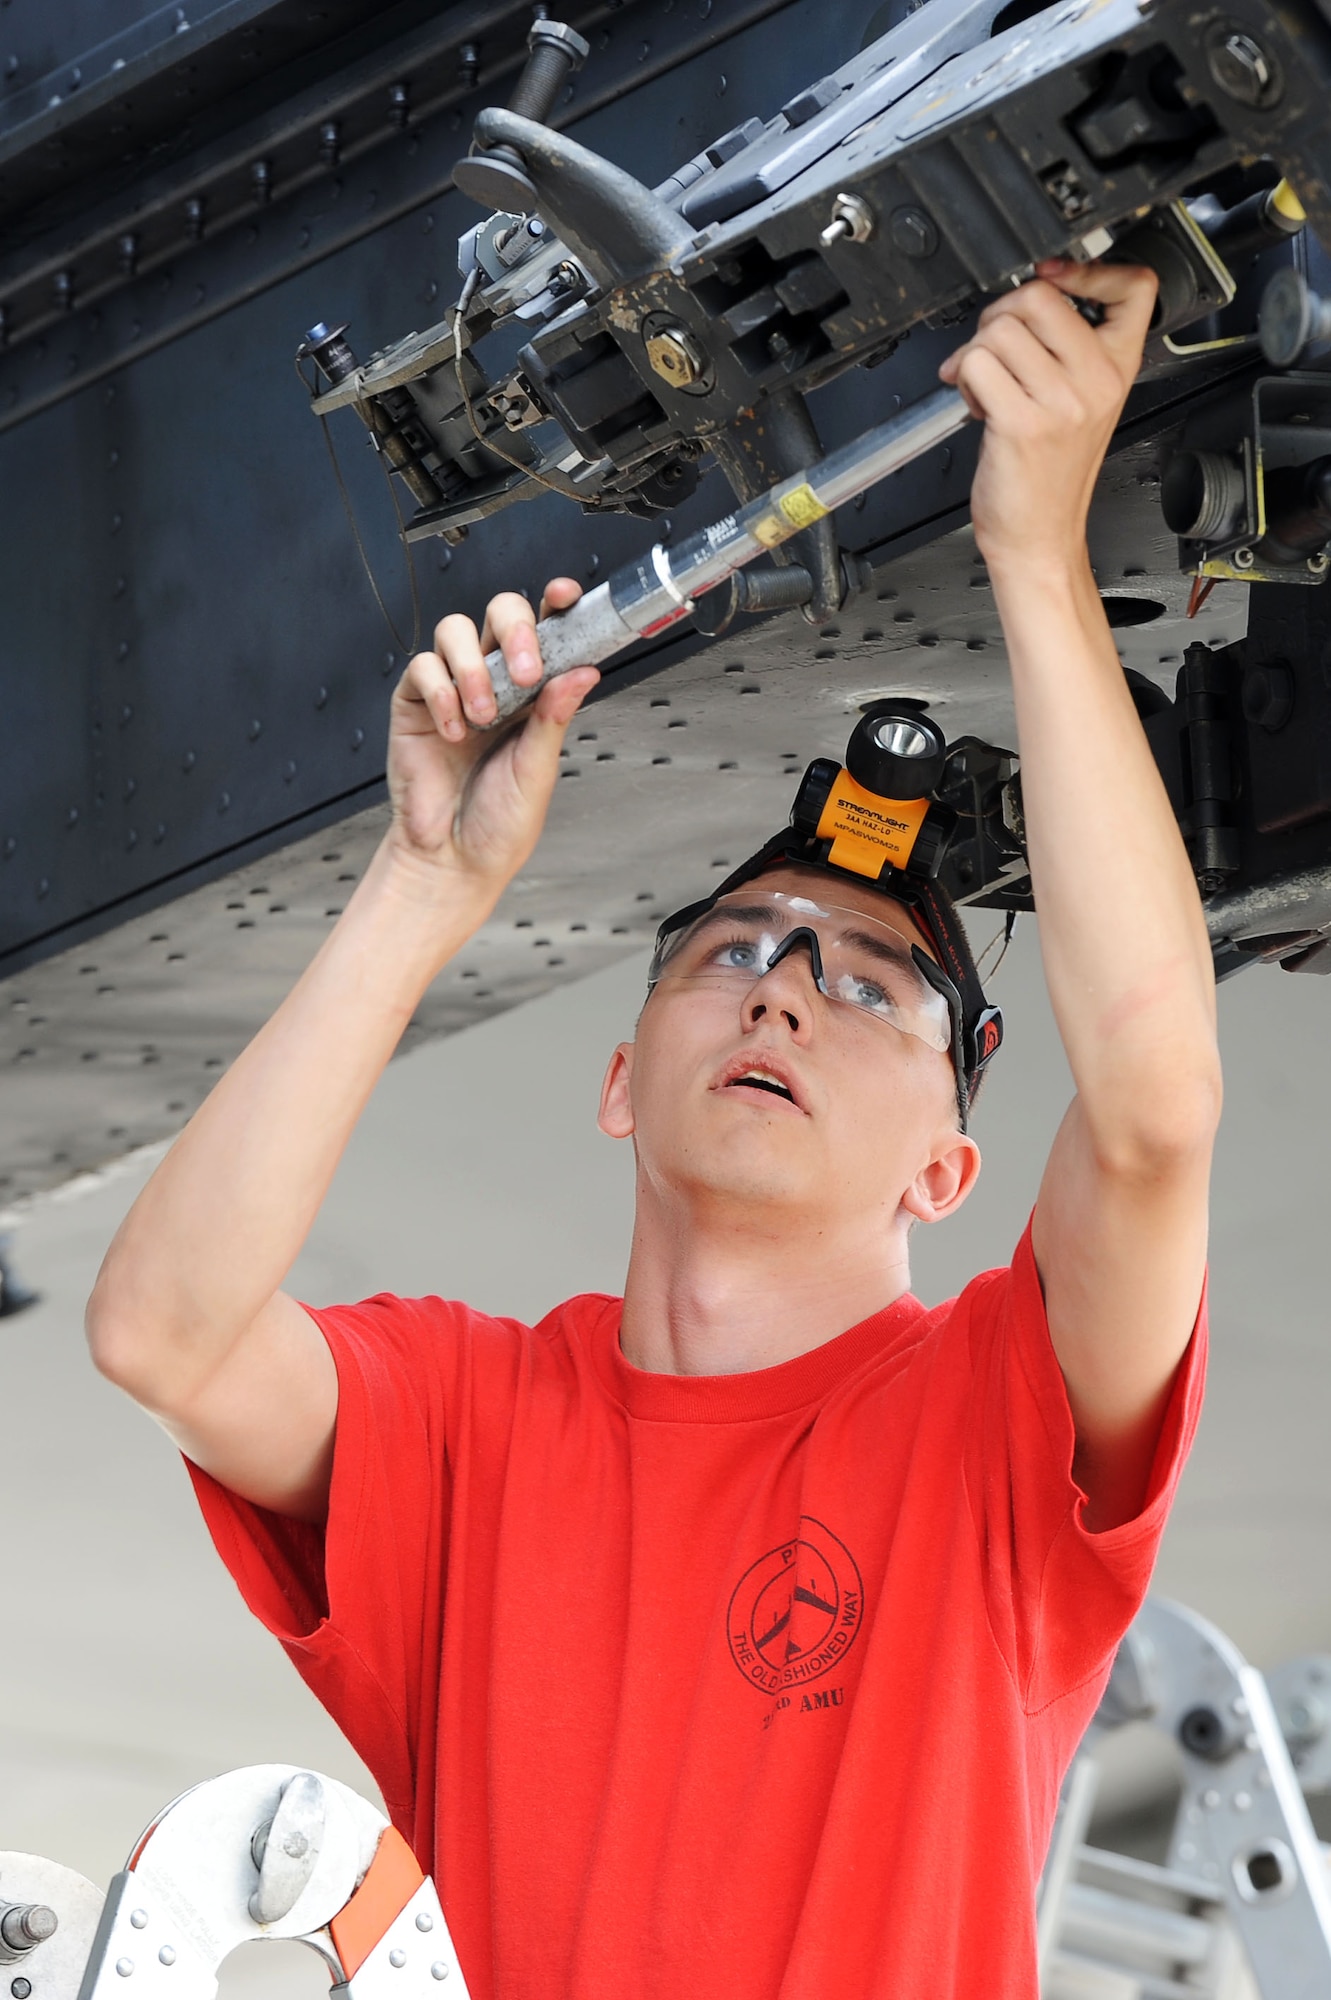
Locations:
{"points": [[647, 596]]}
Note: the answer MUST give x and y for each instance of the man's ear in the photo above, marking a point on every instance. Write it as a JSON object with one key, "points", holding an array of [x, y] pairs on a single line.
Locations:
{"points": [[615, 1116], [944, 1182]]}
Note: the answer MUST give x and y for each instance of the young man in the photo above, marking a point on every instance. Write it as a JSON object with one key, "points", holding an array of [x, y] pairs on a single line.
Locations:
{"points": [[733, 1642]]}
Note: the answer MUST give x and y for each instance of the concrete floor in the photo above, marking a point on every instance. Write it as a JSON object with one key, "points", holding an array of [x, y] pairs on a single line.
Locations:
{"points": [[130, 1668]]}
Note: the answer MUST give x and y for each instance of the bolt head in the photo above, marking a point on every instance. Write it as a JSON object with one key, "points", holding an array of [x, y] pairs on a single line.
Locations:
{"points": [[913, 232], [675, 356], [1242, 68]]}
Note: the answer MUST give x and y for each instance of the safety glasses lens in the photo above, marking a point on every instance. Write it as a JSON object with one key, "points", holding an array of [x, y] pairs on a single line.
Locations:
{"points": [[866, 964]]}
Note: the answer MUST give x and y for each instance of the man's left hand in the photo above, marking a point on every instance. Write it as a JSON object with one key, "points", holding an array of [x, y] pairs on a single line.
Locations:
{"points": [[1050, 388]]}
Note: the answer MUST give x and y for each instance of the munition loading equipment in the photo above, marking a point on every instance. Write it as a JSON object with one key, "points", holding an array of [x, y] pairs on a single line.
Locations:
{"points": [[639, 331], [640, 334]]}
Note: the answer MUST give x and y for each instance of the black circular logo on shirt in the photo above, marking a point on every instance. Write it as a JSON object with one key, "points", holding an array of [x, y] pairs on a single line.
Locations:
{"points": [[795, 1612]]}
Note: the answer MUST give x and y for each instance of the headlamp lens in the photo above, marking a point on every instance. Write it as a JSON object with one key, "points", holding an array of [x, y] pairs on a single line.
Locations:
{"points": [[866, 963], [902, 739]]}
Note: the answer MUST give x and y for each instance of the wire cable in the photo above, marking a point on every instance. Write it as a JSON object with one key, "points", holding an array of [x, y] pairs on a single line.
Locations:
{"points": [[350, 512], [592, 502]]}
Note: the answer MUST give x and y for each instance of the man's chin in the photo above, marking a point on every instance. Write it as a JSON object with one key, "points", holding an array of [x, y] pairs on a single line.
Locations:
{"points": [[752, 1177]]}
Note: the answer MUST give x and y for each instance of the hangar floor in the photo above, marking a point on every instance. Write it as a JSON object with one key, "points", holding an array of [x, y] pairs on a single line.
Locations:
{"points": [[131, 1669]]}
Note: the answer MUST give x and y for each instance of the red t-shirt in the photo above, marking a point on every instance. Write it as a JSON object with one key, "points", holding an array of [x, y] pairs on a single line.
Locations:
{"points": [[746, 1687]]}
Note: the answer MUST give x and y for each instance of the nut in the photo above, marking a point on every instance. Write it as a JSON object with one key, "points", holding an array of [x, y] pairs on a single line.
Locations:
{"points": [[675, 356], [1242, 67]]}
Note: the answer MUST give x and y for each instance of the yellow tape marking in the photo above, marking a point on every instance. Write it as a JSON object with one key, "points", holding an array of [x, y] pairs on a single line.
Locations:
{"points": [[801, 506]]}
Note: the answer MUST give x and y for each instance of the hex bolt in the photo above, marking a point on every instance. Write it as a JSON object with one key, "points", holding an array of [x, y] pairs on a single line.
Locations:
{"points": [[261, 182], [330, 142], [399, 105], [469, 65], [195, 212], [127, 249], [555, 52], [675, 356], [914, 233], [62, 286], [1242, 68]]}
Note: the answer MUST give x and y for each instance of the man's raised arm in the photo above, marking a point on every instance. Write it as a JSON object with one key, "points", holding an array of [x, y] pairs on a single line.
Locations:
{"points": [[187, 1314], [1120, 1226]]}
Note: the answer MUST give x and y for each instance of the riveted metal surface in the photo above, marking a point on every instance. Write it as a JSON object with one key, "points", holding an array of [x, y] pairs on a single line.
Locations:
{"points": [[92, 282], [666, 783]]}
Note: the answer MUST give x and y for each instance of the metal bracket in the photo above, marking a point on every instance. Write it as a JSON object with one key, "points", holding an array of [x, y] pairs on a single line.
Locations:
{"points": [[273, 1839]]}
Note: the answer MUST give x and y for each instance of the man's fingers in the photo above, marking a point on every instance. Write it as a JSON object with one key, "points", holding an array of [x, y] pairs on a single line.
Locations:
{"points": [[561, 593], [1046, 309], [428, 682], [537, 744], [462, 651], [561, 698], [510, 624], [988, 385], [454, 681], [1128, 293], [1039, 369], [1124, 285]]}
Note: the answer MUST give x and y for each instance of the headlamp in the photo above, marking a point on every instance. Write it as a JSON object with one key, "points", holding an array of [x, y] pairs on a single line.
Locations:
{"points": [[878, 820]]}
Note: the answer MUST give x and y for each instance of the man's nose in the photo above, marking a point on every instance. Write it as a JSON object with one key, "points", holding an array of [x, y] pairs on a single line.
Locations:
{"points": [[783, 986]]}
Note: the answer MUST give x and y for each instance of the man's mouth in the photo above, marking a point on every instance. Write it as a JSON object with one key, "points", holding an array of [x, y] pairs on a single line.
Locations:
{"points": [[760, 1079]]}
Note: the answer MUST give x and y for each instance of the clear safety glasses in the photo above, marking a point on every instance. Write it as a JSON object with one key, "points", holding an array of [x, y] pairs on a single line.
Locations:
{"points": [[864, 962]]}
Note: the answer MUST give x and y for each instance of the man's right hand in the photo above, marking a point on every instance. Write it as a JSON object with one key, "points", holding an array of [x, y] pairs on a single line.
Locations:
{"points": [[188, 1315], [464, 800]]}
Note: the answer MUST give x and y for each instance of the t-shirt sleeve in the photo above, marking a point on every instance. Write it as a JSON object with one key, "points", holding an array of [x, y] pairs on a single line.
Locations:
{"points": [[358, 1605], [1060, 1596]]}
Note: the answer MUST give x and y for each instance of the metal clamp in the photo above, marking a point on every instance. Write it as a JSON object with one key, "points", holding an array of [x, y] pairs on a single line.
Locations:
{"points": [[271, 1852]]}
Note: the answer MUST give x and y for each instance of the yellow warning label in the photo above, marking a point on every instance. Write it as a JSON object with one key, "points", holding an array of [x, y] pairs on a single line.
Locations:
{"points": [[865, 830], [801, 506], [770, 530]]}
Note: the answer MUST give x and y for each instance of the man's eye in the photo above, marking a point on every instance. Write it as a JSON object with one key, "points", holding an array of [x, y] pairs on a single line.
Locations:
{"points": [[737, 955], [868, 993]]}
